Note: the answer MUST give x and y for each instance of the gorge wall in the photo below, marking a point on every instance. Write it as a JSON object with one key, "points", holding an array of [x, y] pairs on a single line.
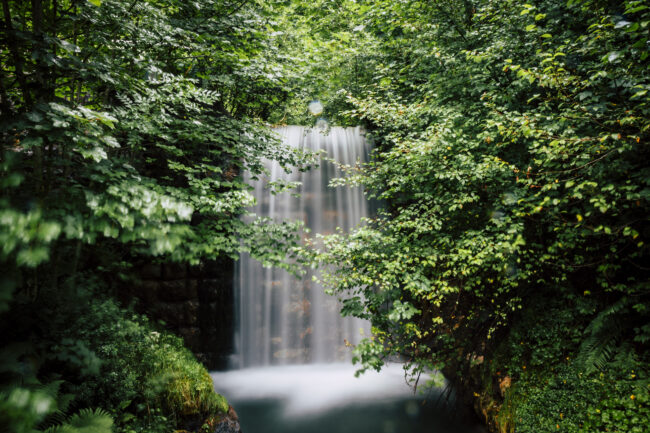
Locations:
{"points": [[194, 302]]}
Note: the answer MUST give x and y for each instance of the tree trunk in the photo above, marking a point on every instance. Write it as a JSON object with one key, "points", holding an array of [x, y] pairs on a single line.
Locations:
{"points": [[14, 48]]}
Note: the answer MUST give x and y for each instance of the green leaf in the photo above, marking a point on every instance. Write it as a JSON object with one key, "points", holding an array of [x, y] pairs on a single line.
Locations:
{"points": [[613, 56], [32, 257]]}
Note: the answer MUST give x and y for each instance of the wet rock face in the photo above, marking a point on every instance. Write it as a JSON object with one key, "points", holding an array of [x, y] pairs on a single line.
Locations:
{"points": [[230, 424], [224, 424], [195, 302]]}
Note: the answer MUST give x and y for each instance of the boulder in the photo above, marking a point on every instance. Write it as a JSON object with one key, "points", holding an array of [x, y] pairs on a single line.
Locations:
{"points": [[229, 424]]}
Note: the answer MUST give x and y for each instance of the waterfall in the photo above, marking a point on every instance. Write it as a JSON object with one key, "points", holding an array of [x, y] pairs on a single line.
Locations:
{"points": [[284, 322], [282, 319]]}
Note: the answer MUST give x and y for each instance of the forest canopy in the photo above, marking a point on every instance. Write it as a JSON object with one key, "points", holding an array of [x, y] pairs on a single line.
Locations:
{"points": [[125, 127], [512, 152]]}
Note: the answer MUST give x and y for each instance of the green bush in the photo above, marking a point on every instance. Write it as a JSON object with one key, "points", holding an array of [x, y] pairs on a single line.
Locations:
{"points": [[100, 355], [569, 401], [145, 373]]}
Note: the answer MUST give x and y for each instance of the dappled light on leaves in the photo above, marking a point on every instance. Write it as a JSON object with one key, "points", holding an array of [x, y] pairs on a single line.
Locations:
{"points": [[315, 108]]}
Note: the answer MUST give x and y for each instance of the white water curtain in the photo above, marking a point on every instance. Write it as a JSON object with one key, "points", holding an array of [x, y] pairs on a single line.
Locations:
{"points": [[281, 319]]}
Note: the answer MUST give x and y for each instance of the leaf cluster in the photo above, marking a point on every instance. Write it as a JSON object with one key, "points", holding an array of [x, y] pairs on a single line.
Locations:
{"points": [[125, 126], [511, 150]]}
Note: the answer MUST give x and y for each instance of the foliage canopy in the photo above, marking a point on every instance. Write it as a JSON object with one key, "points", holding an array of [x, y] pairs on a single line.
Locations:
{"points": [[512, 153], [124, 127]]}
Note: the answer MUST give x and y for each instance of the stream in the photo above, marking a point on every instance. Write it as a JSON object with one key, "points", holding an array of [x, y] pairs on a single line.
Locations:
{"points": [[327, 398]]}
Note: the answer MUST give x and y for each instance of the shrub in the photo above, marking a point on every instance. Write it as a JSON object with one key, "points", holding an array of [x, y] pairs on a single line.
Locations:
{"points": [[568, 400], [93, 353], [146, 374]]}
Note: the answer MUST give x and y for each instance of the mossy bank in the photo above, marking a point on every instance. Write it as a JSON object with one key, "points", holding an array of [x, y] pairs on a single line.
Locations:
{"points": [[559, 384], [101, 367]]}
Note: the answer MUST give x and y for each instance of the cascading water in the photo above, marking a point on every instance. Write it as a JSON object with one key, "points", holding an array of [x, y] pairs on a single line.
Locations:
{"points": [[283, 319], [287, 376]]}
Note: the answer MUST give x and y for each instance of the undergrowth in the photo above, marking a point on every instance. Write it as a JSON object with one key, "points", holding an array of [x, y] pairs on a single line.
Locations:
{"points": [[99, 367], [565, 399], [559, 383]]}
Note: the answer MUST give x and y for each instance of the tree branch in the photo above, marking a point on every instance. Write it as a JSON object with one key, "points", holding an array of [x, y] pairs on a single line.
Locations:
{"points": [[14, 48]]}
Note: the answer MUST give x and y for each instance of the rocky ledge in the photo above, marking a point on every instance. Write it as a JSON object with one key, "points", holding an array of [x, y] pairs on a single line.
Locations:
{"points": [[229, 423]]}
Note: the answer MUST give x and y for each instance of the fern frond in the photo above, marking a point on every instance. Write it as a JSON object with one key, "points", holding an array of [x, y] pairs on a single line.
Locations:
{"points": [[61, 428], [60, 416], [92, 421], [603, 335], [597, 351], [54, 419], [603, 318], [85, 421]]}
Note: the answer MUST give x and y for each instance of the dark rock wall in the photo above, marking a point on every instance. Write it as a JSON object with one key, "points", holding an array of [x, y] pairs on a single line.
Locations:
{"points": [[195, 302]]}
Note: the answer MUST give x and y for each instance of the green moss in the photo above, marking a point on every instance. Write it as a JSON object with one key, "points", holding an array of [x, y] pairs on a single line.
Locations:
{"points": [[189, 388]]}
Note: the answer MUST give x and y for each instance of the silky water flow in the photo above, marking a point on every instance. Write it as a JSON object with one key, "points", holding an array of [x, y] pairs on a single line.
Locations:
{"points": [[282, 319], [292, 368]]}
